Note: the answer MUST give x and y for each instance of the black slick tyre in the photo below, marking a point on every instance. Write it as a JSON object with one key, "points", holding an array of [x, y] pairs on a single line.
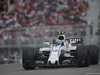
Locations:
{"points": [[94, 54], [28, 59], [83, 58]]}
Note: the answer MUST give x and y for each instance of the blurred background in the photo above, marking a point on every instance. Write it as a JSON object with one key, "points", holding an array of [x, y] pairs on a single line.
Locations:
{"points": [[26, 24]]}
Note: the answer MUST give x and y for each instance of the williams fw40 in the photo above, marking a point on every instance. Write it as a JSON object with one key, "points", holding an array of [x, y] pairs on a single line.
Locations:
{"points": [[62, 52]]}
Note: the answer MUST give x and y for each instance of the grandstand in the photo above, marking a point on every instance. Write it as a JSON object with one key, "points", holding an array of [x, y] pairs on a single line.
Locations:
{"points": [[45, 12]]}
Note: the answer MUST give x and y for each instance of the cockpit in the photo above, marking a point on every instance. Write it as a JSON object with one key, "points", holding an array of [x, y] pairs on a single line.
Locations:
{"points": [[60, 39], [58, 43]]}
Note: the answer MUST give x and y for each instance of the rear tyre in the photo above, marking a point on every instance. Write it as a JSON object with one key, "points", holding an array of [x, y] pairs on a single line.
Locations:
{"points": [[82, 54], [94, 54], [28, 59]]}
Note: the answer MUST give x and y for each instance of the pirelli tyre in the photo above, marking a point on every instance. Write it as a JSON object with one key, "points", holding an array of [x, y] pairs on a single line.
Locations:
{"points": [[28, 59], [94, 54], [82, 55]]}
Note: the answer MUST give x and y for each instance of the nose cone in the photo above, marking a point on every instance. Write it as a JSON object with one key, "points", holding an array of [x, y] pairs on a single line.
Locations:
{"points": [[53, 62], [54, 55]]}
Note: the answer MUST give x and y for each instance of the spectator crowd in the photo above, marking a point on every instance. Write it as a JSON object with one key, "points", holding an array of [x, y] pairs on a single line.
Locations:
{"points": [[42, 13], [45, 12]]}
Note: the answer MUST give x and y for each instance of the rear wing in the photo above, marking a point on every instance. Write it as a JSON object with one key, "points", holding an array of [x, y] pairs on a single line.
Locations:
{"points": [[75, 40]]}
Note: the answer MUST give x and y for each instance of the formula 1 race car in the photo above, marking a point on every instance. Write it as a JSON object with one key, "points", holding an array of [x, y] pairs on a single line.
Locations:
{"points": [[62, 52]]}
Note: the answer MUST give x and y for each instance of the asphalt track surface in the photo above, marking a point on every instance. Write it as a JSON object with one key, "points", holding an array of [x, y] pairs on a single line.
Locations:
{"points": [[17, 69]]}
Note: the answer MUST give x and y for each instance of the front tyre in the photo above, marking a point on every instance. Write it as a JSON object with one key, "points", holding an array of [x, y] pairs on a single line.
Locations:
{"points": [[28, 59]]}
